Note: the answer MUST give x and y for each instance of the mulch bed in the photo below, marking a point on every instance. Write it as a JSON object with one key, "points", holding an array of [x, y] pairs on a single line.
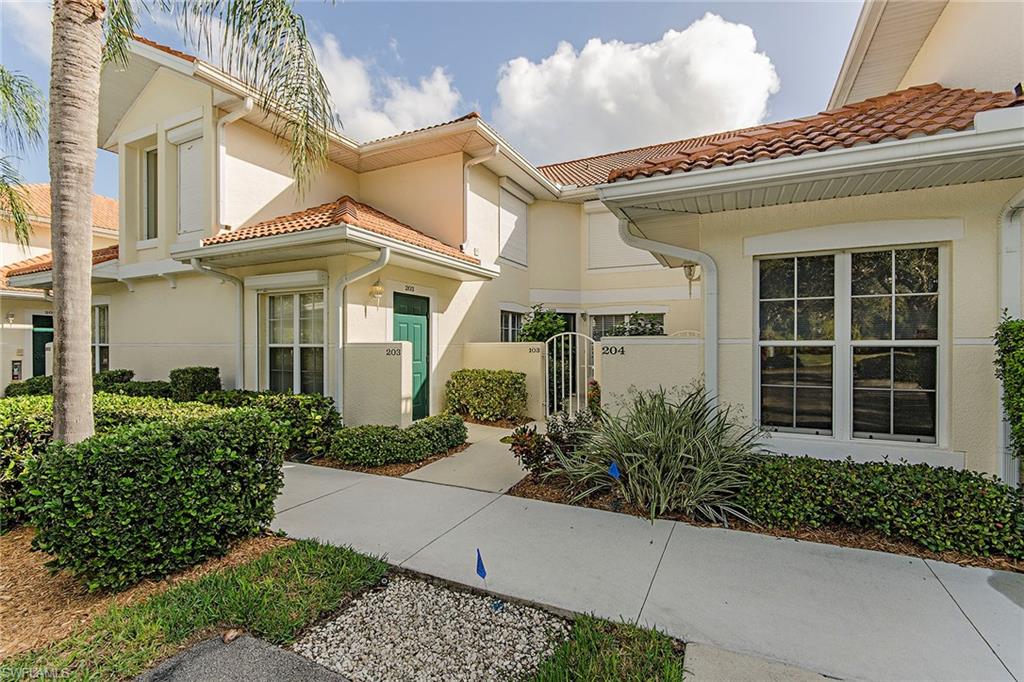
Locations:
{"points": [[553, 490], [501, 423], [38, 607], [396, 470]]}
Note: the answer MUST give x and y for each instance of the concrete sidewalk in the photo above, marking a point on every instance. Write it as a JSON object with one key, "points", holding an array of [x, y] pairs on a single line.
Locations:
{"points": [[846, 613], [485, 465]]}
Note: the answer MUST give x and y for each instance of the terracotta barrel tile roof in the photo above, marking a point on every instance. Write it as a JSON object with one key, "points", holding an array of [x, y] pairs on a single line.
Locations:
{"points": [[344, 210], [165, 48], [920, 110], [44, 262], [104, 209]]}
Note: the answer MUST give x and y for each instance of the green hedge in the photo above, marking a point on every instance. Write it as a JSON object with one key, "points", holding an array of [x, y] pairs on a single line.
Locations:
{"points": [[26, 427], [32, 386], [443, 432], [487, 394], [188, 383], [373, 445], [144, 500], [308, 420], [1009, 339], [938, 508], [141, 389], [109, 378]]}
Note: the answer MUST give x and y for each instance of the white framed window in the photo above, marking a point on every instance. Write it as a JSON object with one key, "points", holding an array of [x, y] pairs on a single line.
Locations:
{"points": [[150, 182], [510, 326], [605, 325], [295, 349], [849, 343], [513, 229], [100, 338]]}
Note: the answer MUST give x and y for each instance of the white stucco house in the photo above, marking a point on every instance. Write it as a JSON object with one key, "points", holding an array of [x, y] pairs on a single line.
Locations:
{"points": [[838, 276]]}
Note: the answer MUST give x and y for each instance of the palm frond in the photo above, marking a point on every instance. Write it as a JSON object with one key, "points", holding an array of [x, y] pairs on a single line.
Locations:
{"points": [[264, 43], [22, 111], [120, 24], [13, 202]]}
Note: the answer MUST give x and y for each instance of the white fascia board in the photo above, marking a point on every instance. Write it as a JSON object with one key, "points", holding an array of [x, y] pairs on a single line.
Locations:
{"points": [[931, 149], [864, 31], [162, 58], [33, 280], [22, 295], [359, 235]]}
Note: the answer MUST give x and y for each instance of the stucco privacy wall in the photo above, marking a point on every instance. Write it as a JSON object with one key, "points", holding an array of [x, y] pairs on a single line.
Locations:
{"points": [[517, 357], [645, 363], [951, 54], [379, 377], [973, 407]]}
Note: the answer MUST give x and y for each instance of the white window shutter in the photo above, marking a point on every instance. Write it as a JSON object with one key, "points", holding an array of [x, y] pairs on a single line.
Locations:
{"points": [[190, 186], [605, 249], [513, 244]]}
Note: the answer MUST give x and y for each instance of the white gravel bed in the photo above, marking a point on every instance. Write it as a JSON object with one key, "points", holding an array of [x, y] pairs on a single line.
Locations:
{"points": [[415, 630]]}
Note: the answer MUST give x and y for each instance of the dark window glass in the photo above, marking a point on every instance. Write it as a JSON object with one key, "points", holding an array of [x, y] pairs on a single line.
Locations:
{"points": [[814, 366], [914, 413], [894, 392], [777, 365], [777, 320], [871, 273], [917, 271], [917, 317], [311, 379], [815, 276], [776, 278], [814, 408], [871, 368], [871, 318], [871, 411], [776, 406], [281, 368], [815, 319], [796, 387]]}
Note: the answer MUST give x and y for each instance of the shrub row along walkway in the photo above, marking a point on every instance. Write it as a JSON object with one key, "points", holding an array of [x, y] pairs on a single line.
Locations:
{"points": [[846, 613]]}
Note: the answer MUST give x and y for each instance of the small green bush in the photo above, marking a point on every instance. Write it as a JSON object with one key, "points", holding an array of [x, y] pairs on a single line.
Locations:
{"points": [[26, 427], [1009, 339], [640, 324], [42, 385], [144, 500], [938, 508], [674, 455], [307, 420], [188, 383], [442, 431], [101, 381], [141, 389], [373, 445], [487, 394], [541, 324]]}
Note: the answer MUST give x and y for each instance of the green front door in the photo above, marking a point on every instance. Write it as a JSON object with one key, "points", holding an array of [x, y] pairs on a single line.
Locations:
{"points": [[412, 315], [42, 334]]}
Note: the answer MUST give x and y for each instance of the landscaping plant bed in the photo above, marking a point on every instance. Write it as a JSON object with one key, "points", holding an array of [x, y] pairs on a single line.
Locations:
{"points": [[498, 423], [556, 490], [396, 470], [38, 607]]}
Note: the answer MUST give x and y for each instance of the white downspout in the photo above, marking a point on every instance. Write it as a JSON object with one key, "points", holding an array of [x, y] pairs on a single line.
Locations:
{"points": [[240, 317], [465, 190], [709, 273], [222, 153], [1011, 245], [339, 295]]}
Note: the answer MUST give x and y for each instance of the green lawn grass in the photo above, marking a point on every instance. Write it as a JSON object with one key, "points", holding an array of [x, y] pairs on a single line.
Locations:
{"points": [[274, 597], [600, 651]]}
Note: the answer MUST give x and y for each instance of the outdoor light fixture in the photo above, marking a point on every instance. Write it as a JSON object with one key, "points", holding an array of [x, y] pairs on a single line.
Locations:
{"points": [[10, 317], [692, 273], [377, 292]]}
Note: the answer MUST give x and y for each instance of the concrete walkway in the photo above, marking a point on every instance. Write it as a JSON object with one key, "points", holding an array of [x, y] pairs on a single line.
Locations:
{"points": [[846, 613], [485, 465]]}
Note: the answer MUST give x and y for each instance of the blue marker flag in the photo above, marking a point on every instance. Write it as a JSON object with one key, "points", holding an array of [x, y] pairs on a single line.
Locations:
{"points": [[613, 471], [480, 570]]}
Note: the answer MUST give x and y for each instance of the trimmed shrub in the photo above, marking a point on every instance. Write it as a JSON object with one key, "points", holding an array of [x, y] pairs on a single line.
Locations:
{"points": [[144, 500], [541, 324], [188, 383], [938, 508], [487, 394], [442, 431], [102, 381], [535, 451], [141, 389], [640, 324], [673, 455], [307, 420], [373, 445], [42, 385], [1009, 339], [26, 428]]}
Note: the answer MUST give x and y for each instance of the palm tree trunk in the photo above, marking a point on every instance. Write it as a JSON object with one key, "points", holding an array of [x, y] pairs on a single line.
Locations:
{"points": [[74, 114]]}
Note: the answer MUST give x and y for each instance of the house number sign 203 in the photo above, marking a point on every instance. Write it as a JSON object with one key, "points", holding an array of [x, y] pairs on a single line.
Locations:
{"points": [[613, 350], [392, 351]]}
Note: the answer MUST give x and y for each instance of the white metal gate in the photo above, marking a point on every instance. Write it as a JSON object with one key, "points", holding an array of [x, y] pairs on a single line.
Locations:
{"points": [[570, 367]]}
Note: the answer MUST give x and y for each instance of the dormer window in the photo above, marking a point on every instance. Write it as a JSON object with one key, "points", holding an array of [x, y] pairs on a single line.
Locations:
{"points": [[150, 163]]}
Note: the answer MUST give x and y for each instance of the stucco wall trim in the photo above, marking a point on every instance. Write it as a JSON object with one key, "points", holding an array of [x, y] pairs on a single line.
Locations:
{"points": [[578, 297], [287, 280], [855, 236]]}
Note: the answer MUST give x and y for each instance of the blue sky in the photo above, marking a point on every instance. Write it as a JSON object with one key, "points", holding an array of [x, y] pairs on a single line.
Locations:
{"points": [[631, 73]]}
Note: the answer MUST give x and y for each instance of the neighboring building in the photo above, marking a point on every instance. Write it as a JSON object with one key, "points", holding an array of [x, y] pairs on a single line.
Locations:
{"points": [[853, 264], [25, 314]]}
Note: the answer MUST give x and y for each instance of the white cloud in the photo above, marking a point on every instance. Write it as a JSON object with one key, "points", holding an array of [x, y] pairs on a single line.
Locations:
{"points": [[614, 95], [376, 107], [29, 21]]}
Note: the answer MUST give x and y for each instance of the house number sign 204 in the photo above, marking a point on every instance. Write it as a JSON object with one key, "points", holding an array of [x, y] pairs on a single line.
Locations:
{"points": [[613, 350]]}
